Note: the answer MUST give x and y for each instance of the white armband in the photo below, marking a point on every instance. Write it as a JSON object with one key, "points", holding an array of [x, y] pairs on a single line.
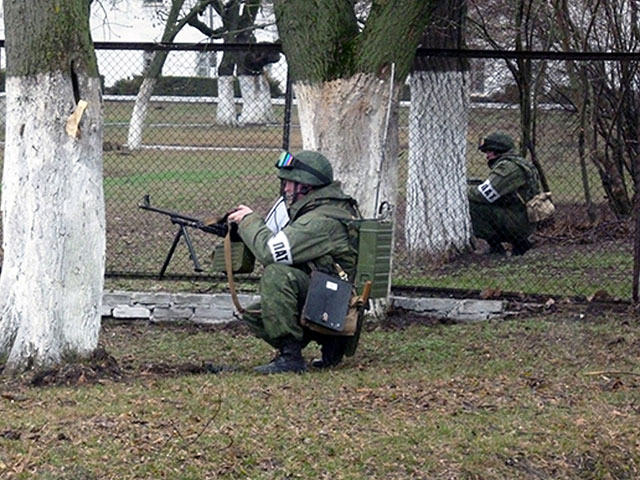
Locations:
{"points": [[488, 192], [280, 248]]}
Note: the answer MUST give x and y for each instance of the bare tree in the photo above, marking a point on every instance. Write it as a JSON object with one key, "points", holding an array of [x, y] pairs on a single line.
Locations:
{"points": [[238, 26], [347, 73], [174, 22], [608, 93], [607, 96], [520, 25], [52, 193]]}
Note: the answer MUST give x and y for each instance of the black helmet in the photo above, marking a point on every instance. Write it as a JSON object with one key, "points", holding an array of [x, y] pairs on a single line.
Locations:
{"points": [[498, 142], [307, 167]]}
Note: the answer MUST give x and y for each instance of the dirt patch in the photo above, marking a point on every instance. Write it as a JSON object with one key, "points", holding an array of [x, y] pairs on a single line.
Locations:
{"points": [[400, 320], [103, 367], [571, 225], [100, 366]]}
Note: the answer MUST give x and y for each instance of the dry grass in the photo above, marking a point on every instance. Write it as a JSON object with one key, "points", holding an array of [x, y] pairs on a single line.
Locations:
{"points": [[498, 400]]}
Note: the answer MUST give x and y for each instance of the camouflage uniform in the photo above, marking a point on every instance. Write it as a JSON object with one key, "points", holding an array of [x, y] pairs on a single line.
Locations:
{"points": [[497, 205], [314, 238]]}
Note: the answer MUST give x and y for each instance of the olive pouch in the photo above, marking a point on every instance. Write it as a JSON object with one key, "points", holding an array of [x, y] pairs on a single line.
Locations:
{"points": [[242, 260]]}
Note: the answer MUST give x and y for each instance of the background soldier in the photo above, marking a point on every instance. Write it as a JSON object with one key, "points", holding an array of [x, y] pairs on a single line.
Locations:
{"points": [[314, 238], [497, 205]]}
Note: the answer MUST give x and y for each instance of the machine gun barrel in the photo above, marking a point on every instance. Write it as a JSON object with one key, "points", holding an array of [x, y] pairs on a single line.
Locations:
{"points": [[169, 213], [219, 228]]}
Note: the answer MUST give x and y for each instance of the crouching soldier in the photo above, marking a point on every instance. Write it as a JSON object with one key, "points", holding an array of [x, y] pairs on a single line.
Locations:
{"points": [[314, 238], [497, 205]]}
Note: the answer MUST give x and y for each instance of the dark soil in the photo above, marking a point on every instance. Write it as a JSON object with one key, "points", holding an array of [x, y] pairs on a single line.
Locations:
{"points": [[100, 366]]}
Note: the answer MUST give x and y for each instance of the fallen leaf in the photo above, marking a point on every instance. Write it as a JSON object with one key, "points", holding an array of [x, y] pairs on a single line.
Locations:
{"points": [[490, 293], [599, 296]]}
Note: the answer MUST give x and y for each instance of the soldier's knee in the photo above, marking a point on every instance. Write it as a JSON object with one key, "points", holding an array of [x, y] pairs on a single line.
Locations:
{"points": [[283, 276], [277, 272]]}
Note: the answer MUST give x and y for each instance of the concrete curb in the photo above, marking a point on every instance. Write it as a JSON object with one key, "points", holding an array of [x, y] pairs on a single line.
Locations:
{"points": [[461, 310], [218, 307]]}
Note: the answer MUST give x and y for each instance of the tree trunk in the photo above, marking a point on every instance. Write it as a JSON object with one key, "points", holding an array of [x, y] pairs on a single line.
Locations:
{"points": [[139, 114], [52, 195], [437, 221], [347, 80], [226, 109], [256, 100], [152, 73], [613, 184], [362, 148], [143, 98]]}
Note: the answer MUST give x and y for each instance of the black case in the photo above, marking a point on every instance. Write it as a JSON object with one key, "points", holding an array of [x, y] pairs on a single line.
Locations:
{"points": [[327, 301]]}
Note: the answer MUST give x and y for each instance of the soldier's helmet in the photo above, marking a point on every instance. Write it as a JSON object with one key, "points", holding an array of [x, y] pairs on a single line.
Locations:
{"points": [[498, 142], [306, 166]]}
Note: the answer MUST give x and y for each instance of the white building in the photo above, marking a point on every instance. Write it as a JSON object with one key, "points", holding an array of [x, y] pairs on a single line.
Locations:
{"points": [[136, 21], [141, 21]]}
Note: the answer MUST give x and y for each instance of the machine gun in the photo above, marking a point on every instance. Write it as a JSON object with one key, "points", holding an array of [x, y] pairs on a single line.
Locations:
{"points": [[215, 227]]}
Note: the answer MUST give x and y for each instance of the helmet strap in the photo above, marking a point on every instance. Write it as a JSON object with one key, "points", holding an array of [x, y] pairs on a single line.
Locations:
{"points": [[299, 191]]}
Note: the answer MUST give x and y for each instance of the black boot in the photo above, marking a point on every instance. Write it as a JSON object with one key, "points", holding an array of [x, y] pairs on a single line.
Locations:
{"points": [[332, 353], [496, 248], [521, 246], [289, 359]]}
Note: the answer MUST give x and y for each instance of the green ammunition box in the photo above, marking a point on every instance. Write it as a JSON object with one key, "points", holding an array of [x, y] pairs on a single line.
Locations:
{"points": [[374, 256], [242, 260]]}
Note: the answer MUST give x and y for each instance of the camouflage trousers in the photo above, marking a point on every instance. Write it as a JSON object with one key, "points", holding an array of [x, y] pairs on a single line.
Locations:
{"points": [[495, 223], [276, 317]]}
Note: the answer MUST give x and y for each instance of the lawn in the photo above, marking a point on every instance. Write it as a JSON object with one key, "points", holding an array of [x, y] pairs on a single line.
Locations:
{"points": [[550, 394]]}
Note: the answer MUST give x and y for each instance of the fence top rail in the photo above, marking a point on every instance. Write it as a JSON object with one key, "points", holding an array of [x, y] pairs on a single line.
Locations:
{"points": [[427, 52], [529, 54]]}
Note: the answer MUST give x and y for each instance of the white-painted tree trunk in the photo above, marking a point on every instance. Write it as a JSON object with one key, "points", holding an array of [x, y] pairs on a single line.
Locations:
{"points": [[53, 223], [353, 121], [226, 109], [256, 100], [437, 219], [139, 114]]}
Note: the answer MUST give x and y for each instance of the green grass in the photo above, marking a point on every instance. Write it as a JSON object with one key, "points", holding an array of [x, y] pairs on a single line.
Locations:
{"points": [[189, 177], [541, 271], [497, 400]]}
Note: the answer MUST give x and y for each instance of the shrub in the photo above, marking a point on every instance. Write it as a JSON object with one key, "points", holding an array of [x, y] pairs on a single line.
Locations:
{"points": [[181, 86]]}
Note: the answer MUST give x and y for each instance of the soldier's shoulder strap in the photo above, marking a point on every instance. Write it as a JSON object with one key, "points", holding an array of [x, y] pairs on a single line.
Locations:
{"points": [[530, 171]]}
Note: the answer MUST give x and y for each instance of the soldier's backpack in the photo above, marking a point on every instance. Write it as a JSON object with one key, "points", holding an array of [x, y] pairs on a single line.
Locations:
{"points": [[335, 306]]}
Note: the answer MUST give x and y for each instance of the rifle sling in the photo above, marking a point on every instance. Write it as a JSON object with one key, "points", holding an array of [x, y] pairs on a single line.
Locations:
{"points": [[229, 268]]}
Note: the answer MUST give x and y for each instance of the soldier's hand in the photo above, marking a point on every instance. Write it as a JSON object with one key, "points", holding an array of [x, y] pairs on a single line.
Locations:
{"points": [[239, 213]]}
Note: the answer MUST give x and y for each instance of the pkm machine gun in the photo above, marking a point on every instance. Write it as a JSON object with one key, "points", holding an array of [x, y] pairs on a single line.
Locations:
{"points": [[215, 227]]}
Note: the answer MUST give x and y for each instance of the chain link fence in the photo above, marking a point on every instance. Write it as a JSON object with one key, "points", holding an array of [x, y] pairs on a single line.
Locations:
{"points": [[208, 141]]}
